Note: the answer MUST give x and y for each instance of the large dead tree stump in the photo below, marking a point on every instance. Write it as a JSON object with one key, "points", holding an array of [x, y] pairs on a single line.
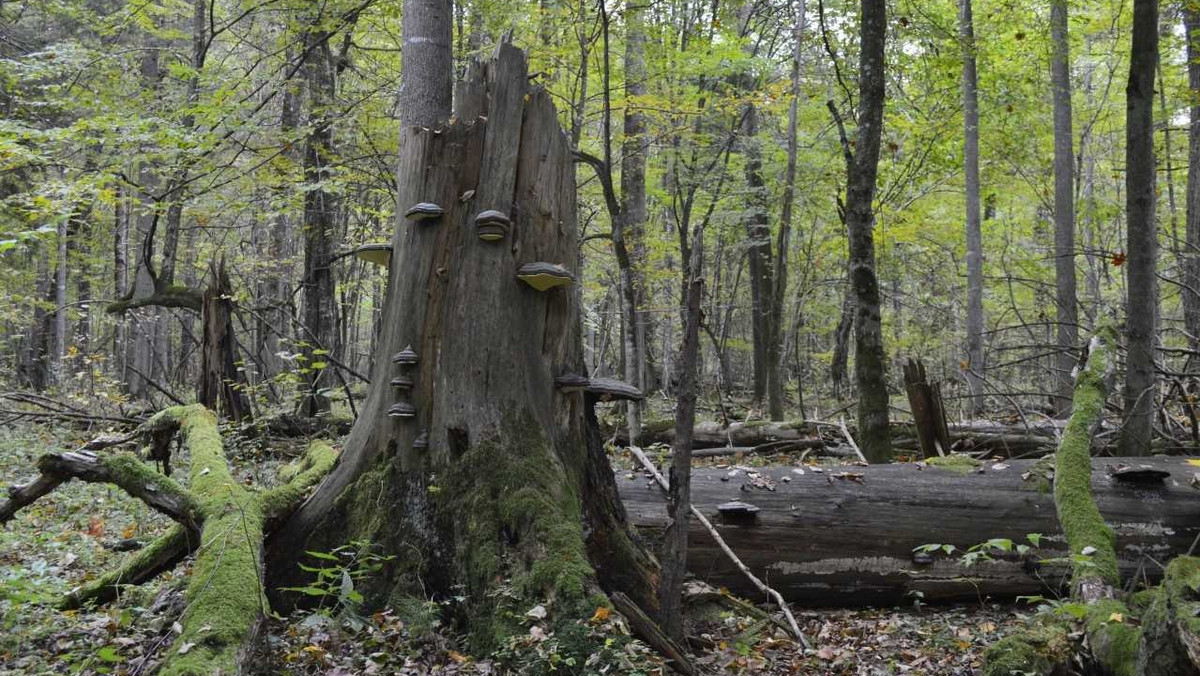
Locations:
{"points": [[468, 461]]}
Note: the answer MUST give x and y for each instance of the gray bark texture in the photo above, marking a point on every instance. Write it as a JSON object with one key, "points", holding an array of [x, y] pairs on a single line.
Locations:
{"points": [[1141, 310], [870, 362], [845, 536], [1191, 268], [509, 469], [633, 206], [1066, 304], [970, 93], [426, 50]]}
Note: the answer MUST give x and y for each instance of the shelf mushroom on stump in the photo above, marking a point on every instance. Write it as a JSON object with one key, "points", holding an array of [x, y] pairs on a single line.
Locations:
{"points": [[379, 253], [544, 276], [402, 383], [424, 211], [402, 409], [406, 357], [492, 225]]}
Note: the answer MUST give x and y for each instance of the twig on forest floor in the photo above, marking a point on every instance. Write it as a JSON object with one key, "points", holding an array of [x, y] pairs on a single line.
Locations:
{"points": [[716, 536], [850, 439]]}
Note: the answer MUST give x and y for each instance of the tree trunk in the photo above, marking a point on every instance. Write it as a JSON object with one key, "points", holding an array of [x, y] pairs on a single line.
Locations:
{"points": [[1191, 268], [484, 473], [426, 49], [222, 385], [970, 93], [320, 303], [1141, 309], [633, 208], [679, 495], [870, 362], [1066, 304], [846, 536]]}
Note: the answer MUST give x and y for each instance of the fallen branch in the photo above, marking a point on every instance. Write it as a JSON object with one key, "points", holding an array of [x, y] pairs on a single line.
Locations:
{"points": [[662, 483]]}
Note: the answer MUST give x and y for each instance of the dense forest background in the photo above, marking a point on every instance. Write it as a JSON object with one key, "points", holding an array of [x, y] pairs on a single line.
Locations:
{"points": [[145, 141]]}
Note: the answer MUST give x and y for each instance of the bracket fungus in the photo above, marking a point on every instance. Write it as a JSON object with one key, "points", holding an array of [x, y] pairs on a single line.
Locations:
{"points": [[571, 382], [738, 510], [491, 225], [405, 357], [607, 389], [1138, 474], [423, 211], [402, 383], [543, 276], [376, 254], [422, 441], [402, 409]]}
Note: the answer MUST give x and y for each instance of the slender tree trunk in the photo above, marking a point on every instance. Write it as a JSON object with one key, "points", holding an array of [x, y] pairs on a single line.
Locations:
{"points": [[783, 248], [870, 362], [1191, 268], [120, 279], [633, 206], [1066, 304], [970, 88], [427, 48], [679, 496], [320, 302], [59, 350], [1141, 310]]}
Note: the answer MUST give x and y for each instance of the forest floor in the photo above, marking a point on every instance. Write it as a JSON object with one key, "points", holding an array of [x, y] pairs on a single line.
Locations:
{"points": [[77, 532]]}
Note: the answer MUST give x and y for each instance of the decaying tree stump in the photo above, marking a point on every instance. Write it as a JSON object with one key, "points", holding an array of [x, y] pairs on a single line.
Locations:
{"points": [[929, 417], [467, 461], [221, 383]]}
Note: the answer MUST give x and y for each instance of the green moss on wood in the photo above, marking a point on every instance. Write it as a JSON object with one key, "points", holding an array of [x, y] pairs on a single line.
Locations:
{"points": [[1112, 637], [1081, 521], [955, 462], [161, 553], [1038, 650], [316, 463]]}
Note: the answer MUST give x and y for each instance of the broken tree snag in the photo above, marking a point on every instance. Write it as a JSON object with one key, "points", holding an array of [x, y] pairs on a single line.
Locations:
{"points": [[488, 471], [1094, 570], [222, 386], [929, 417], [845, 536]]}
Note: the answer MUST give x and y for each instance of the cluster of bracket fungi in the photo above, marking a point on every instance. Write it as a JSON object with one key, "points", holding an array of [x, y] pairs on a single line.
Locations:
{"points": [[490, 226]]}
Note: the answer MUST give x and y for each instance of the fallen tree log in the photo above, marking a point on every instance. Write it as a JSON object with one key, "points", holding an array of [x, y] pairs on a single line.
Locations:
{"points": [[845, 536]]}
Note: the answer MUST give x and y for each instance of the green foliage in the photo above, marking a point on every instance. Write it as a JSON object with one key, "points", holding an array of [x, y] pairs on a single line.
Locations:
{"points": [[336, 574]]}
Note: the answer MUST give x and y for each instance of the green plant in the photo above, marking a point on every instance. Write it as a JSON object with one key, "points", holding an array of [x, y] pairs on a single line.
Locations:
{"points": [[336, 575]]}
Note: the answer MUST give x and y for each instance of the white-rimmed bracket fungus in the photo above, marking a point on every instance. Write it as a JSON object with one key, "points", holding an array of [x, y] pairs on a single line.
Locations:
{"points": [[402, 383], [379, 253], [492, 225], [544, 276], [423, 211], [402, 409]]}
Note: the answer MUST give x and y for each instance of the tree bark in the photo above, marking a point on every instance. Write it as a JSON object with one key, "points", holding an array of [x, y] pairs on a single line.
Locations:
{"points": [[633, 208], [427, 49], [1191, 268], [1066, 304], [679, 495], [319, 301], [824, 540], [1141, 313], [870, 362], [495, 473], [970, 93], [222, 385]]}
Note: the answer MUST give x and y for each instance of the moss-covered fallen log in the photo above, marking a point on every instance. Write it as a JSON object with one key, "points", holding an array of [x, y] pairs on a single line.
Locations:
{"points": [[218, 518]]}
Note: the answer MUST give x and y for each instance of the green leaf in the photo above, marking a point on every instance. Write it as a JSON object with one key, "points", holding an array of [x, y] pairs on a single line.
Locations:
{"points": [[311, 591], [322, 555], [109, 654]]}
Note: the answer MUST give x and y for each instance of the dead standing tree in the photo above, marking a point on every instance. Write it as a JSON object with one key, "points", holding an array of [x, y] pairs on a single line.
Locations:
{"points": [[476, 458]]}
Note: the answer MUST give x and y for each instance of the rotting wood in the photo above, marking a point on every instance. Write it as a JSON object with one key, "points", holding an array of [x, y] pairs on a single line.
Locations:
{"points": [[822, 540], [925, 402]]}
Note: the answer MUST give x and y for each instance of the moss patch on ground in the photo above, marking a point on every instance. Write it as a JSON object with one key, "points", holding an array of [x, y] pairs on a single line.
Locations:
{"points": [[955, 462]]}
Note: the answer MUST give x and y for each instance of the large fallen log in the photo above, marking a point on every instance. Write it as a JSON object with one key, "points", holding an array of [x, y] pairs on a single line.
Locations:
{"points": [[846, 536]]}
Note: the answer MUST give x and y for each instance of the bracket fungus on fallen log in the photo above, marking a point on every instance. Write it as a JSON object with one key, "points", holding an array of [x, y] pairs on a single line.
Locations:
{"points": [[1142, 475], [402, 383], [544, 276], [423, 211], [377, 254], [738, 510], [406, 357], [492, 225], [402, 409]]}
